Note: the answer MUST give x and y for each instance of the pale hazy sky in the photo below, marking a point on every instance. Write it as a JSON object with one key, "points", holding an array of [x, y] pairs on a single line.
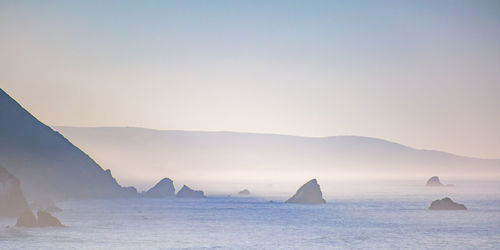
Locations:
{"points": [[422, 73]]}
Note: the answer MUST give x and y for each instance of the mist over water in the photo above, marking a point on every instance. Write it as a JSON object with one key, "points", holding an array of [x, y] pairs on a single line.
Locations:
{"points": [[391, 216], [219, 161], [249, 124]]}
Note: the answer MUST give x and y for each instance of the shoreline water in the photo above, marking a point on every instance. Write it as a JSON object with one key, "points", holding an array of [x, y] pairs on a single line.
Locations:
{"points": [[373, 221]]}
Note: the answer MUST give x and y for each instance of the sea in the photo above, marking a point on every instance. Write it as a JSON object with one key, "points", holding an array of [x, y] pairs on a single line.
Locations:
{"points": [[392, 217]]}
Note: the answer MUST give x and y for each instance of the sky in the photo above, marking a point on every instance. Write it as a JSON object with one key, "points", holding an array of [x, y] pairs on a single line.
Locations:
{"points": [[421, 73]]}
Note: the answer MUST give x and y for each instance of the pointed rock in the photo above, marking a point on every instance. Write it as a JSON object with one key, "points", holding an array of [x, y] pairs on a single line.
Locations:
{"points": [[26, 219], [163, 188], [434, 182], [309, 193], [187, 192], [12, 201], [45, 219], [446, 204]]}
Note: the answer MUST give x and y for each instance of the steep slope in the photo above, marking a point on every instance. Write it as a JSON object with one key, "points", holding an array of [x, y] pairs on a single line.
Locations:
{"points": [[47, 164], [194, 156]]}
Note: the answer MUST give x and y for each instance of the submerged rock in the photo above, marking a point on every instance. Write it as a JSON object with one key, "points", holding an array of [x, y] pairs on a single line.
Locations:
{"points": [[12, 201], [434, 182], [309, 193], [45, 219], [26, 219], [163, 188], [45, 204], [446, 204], [244, 192], [187, 192]]}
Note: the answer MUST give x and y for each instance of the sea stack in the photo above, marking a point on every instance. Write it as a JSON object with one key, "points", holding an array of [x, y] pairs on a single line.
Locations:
{"points": [[446, 204], [164, 188], [12, 201], [45, 219], [187, 192], [26, 219], [434, 182], [244, 192], [309, 193]]}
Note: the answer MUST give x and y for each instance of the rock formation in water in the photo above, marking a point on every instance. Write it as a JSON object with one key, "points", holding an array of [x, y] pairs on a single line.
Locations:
{"points": [[45, 219], [309, 193], [434, 182], [47, 163], [45, 204], [26, 219], [244, 192], [446, 204], [187, 192], [163, 188], [12, 201]]}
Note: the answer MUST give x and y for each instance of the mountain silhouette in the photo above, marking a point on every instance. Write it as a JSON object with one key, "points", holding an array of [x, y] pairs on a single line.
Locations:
{"points": [[46, 163]]}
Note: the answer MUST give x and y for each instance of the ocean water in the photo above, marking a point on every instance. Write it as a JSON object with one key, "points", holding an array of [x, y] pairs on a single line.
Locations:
{"points": [[396, 219]]}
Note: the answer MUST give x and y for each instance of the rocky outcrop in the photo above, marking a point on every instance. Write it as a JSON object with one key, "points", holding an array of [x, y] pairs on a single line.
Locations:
{"points": [[244, 192], [309, 193], [45, 219], [446, 204], [187, 192], [45, 204], [12, 201], [434, 182], [26, 219], [163, 188]]}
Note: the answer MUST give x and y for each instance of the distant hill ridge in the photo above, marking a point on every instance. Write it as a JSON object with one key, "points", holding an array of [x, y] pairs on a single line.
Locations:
{"points": [[47, 164], [184, 154], [113, 130]]}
